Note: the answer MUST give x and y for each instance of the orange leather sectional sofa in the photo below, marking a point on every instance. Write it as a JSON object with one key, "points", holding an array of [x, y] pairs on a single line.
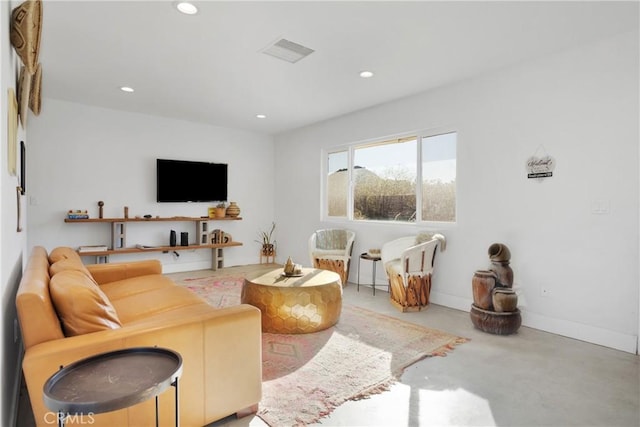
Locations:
{"points": [[68, 311]]}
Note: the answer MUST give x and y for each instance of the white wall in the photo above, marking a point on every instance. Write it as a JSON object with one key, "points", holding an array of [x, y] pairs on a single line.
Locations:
{"points": [[12, 242], [582, 107], [78, 155]]}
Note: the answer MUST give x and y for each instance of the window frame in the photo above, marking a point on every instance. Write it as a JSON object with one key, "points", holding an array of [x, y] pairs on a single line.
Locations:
{"points": [[350, 149]]}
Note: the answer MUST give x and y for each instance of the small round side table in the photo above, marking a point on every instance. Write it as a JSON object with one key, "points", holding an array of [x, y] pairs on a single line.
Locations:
{"points": [[113, 380], [374, 260]]}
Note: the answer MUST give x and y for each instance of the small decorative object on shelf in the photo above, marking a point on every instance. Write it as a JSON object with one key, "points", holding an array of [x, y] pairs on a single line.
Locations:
{"points": [[78, 214], [219, 236], [221, 210], [126, 211], [233, 210], [100, 209]]}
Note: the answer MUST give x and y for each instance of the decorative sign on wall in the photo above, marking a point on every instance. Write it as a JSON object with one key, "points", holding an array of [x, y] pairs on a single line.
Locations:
{"points": [[540, 167]]}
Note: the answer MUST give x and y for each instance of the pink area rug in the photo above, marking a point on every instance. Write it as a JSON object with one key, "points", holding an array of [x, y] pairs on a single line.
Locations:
{"points": [[306, 376]]}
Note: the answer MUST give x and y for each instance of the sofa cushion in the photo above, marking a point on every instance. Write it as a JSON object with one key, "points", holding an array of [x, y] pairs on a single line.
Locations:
{"points": [[146, 304], [174, 316], [81, 306], [135, 285], [63, 252], [68, 264], [116, 271]]}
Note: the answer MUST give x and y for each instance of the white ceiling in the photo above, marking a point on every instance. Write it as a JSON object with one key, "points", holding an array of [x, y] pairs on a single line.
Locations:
{"points": [[208, 67]]}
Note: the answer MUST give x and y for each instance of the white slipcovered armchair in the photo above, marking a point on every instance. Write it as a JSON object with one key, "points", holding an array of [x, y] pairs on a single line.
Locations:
{"points": [[330, 249], [408, 262]]}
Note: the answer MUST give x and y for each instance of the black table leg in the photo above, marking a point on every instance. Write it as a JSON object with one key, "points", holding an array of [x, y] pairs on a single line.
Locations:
{"points": [[175, 384], [374, 277]]}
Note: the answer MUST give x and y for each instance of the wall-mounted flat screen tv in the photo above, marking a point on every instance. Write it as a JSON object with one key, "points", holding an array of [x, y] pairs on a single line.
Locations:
{"points": [[189, 181]]}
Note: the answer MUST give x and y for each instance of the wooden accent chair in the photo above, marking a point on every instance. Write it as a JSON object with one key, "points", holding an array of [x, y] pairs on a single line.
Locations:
{"points": [[408, 262], [330, 249]]}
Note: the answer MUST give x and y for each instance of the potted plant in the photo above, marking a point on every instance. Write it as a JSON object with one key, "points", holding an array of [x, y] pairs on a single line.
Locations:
{"points": [[221, 210], [267, 241]]}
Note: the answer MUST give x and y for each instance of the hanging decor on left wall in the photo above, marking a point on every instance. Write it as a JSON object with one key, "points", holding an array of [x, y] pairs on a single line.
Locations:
{"points": [[19, 208], [12, 132], [24, 90], [26, 30], [35, 92], [23, 167], [25, 36]]}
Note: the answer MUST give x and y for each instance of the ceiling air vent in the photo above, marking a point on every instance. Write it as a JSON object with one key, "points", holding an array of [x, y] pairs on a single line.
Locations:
{"points": [[287, 51]]}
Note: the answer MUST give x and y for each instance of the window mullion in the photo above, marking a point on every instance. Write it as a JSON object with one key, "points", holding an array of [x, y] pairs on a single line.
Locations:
{"points": [[350, 178], [419, 179]]}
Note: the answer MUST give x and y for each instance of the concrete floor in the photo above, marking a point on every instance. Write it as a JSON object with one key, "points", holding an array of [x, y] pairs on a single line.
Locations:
{"points": [[532, 378]]}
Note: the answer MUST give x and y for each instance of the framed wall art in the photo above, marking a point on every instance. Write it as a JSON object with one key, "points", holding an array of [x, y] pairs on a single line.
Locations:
{"points": [[23, 167]]}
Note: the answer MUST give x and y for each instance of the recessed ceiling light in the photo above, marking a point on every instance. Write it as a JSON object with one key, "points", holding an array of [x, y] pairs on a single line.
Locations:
{"points": [[366, 74], [126, 89], [261, 116], [187, 8]]}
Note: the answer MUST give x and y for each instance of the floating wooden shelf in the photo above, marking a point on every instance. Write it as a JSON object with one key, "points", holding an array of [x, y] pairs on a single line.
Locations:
{"points": [[119, 237], [153, 219], [159, 249]]}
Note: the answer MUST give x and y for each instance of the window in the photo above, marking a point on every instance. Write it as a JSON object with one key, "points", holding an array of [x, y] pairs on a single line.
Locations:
{"points": [[337, 183], [439, 177], [384, 180], [379, 181]]}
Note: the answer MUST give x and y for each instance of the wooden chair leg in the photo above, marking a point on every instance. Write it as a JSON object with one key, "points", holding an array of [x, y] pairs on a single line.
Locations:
{"points": [[336, 266]]}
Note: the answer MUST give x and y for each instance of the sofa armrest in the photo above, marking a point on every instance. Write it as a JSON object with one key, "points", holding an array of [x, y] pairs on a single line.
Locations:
{"points": [[110, 272], [221, 351]]}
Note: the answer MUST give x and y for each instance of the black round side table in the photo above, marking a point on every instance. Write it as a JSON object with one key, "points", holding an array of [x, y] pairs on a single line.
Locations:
{"points": [[114, 380], [374, 259]]}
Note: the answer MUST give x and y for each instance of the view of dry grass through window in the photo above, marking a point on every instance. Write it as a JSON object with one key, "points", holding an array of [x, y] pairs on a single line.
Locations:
{"points": [[384, 181]]}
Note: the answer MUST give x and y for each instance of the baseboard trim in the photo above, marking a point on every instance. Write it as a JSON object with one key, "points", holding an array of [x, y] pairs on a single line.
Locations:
{"points": [[450, 301], [566, 328], [582, 332], [190, 266]]}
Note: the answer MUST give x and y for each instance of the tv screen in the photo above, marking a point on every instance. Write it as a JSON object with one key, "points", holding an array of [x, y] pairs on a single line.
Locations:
{"points": [[187, 181]]}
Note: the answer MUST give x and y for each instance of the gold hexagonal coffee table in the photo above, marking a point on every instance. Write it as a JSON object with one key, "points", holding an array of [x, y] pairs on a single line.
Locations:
{"points": [[307, 303]]}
